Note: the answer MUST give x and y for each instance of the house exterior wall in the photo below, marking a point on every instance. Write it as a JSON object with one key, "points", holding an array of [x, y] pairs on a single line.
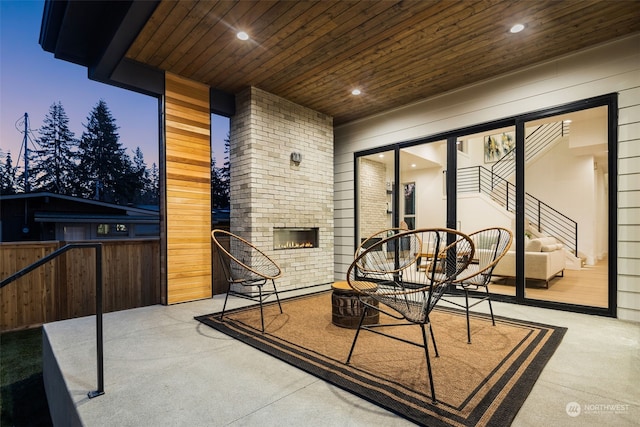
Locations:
{"points": [[269, 190], [614, 67], [186, 198]]}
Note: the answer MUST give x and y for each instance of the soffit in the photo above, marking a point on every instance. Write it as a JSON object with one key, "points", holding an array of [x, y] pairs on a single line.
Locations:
{"points": [[397, 52]]}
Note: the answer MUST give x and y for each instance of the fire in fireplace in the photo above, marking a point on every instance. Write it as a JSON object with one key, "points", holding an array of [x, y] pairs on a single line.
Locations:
{"points": [[295, 238]]}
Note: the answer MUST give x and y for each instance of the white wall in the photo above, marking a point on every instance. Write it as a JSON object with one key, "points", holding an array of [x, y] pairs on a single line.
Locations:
{"points": [[567, 183], [614, 67], [431, 205]]}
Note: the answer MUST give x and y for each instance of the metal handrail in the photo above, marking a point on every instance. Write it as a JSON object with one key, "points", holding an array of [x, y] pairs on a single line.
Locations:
{"points": [[99, 337], [478, 179], [540, 138]]}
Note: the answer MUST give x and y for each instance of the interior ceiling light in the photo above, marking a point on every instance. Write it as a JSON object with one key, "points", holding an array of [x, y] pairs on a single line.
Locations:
{"points": [[517, 28], [242, 35], [568, 121], [381, 155], [356, 92]]}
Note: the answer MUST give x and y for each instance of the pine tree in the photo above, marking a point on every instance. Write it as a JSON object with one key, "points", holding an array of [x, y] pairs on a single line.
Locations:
{"points": [[105, 172], [220, 181], [144, 180], [218, 198], [7, 176], [154, 185], [53, 164]]}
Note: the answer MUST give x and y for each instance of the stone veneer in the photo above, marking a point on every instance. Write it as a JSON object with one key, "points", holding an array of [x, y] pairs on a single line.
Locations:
{"points": [[269, 190]]}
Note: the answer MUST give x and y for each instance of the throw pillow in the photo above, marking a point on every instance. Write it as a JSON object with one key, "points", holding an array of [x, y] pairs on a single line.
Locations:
{"points": [[534, 245]]}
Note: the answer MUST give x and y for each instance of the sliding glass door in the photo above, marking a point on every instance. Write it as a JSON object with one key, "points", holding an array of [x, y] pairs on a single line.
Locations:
{"points": [[423, 202], [375, 193], [401, 188], [566, 208], [545, 176], [486, 195]]}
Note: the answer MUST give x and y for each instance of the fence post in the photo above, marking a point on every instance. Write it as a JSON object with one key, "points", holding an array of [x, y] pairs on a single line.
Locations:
{"points": [[99, 336]]}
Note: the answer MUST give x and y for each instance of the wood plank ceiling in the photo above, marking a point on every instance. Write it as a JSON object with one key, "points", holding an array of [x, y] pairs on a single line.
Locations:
{"points": [[396, 52]]}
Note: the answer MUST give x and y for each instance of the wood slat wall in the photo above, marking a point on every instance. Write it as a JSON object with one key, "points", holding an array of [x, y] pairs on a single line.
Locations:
{"points": [[399, 52], [65, 287], [187, 183]]}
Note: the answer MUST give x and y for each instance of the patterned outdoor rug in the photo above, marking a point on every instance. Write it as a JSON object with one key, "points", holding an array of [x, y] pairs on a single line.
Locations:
{"points": [[483, 383]]}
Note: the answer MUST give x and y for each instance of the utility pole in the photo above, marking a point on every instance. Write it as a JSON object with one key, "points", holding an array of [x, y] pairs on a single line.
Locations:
{"points": [[26, 153], [25, 227]]}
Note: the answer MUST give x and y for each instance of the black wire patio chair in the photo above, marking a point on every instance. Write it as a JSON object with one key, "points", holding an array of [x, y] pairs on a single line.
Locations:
{"points": [[408, 280], [491, 245]]}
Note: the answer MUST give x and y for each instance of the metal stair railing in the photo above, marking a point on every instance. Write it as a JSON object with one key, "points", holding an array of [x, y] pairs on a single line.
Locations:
{"points": [[99, 336], [478, 179], [539, 139]]}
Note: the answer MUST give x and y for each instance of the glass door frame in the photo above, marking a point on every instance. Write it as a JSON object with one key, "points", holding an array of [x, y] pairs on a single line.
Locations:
{"points": [[609, 100]]}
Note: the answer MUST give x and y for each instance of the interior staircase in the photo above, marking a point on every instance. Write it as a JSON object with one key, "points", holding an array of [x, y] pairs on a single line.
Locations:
{"points": [[541, 218]]}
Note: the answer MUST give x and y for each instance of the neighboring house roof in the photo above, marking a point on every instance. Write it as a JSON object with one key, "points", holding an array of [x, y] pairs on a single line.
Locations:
{"points": [[315, 53], [93, 218], [109, 212]]}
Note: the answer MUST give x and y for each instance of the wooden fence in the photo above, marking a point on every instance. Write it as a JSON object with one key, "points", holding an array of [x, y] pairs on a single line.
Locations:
{"points": [[65, 287]]}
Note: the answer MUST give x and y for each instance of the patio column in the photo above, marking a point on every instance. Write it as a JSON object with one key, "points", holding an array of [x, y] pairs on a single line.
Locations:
{"points": [[185, 202]]}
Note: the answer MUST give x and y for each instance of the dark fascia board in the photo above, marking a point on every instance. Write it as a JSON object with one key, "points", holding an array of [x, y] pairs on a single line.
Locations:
{"points": [[79, 31], [222, 103], [137, 77], [43, 194], [94, 218], [119, 36], [52, 16], [97, 35]]}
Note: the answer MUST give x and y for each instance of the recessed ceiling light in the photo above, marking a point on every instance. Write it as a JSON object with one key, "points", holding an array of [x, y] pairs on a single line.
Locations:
{"points": [[517, 28], [568, 121], [413, 165], [242, 35], [356, 92], [381, 155]]}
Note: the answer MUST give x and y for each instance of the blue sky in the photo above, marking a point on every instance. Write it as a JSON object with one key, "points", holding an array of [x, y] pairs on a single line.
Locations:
{"points": [[32, 79]]}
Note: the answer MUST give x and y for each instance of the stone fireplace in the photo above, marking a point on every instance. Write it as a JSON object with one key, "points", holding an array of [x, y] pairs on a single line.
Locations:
{"points": [[281, 158]]}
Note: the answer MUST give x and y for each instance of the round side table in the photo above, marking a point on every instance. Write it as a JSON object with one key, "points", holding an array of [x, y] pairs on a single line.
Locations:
{"points": [[346, 308]]}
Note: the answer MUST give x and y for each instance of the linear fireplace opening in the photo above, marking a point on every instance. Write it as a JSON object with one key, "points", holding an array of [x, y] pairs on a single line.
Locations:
{"points": [[295, 237]]}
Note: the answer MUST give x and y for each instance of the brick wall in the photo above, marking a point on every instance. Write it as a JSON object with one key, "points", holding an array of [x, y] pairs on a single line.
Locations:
{"points": [[373, 198], [269, 190]]}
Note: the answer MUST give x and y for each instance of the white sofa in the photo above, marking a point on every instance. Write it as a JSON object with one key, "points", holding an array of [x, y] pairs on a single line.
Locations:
{"points": [[544, 259]]}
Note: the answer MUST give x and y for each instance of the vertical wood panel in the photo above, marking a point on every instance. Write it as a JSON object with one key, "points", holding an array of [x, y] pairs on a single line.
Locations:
{"points": [[187, 183]]}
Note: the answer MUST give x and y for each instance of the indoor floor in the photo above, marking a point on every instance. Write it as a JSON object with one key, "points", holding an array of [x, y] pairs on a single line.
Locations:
{"points": [[587, 286]]}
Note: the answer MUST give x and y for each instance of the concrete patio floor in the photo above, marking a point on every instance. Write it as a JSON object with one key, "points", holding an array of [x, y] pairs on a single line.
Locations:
{"points": [[163, 368]]}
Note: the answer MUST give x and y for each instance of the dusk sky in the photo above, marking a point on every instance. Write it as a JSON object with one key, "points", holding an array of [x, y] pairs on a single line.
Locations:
{"points": [[31, 80]]}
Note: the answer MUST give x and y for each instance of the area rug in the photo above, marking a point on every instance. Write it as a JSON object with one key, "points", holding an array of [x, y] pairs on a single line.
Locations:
{"points": [[478, 384]]}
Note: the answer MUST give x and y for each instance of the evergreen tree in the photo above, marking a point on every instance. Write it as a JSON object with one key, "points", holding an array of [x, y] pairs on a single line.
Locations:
{"points": [[52, 165], [218, 197], [226, 168], [220, 181], [153, 193], [7, 176], [105, 172], [145, 192]]}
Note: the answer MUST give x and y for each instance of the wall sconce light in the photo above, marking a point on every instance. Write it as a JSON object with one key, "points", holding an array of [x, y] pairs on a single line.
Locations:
{"points": [[296, 158]]}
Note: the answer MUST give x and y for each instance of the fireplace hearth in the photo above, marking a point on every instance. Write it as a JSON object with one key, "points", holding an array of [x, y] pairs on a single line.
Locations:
{"points": [[295, 238]]}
